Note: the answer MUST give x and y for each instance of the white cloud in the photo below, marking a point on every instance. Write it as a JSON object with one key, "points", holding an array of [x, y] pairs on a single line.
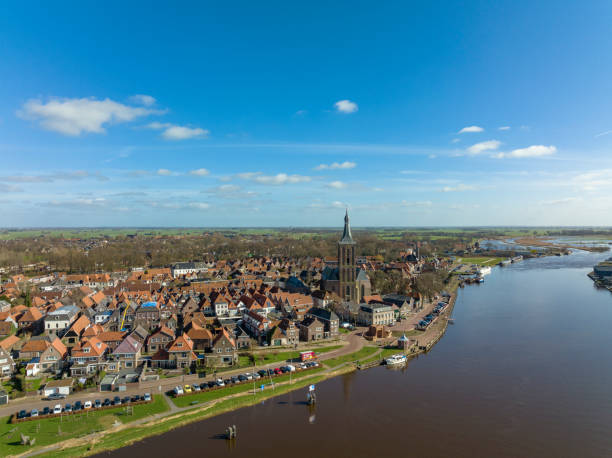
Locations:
{"points": [[504, 128], [76, 116], [199, 205], [174, 132], [337, 185], [199, 172], [9, 188], [164, 172], [225, 189], [301, 112], [424, 203], [459, 188], [470, 129], [530, 151], [142, 99], [563, 201], [455, 140], [51, 177], [331, 206], [278, 179], [601, 134], [484, 146], [346, 106], [336, 165]]}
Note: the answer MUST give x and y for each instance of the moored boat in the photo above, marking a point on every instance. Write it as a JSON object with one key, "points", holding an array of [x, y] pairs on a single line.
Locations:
{"points": [[395, 359]]}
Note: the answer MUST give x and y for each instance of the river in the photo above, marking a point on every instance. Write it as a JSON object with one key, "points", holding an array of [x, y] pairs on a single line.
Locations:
{"points": [[526, 370]]}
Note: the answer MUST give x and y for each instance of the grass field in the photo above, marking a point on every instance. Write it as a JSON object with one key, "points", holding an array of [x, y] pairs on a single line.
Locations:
{"points": [[363, 353], [52, 430], [207, 396], [276, 357], [481, 261], [125, 437]]}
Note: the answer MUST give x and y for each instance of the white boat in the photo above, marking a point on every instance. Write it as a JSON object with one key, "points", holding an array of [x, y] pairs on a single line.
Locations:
{"points": [[395, 359], [484, 270]]}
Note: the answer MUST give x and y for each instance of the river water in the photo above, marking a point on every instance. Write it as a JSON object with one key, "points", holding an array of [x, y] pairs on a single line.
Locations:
{"points": [[526, 371]]}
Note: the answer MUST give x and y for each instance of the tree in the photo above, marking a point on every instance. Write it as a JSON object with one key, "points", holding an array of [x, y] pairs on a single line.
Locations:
{"points": [[428, 284]]}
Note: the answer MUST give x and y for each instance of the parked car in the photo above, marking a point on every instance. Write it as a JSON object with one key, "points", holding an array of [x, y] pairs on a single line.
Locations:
{"points": [[107, 402], [187, 388], [57, 409], [46, 411], [277, 370], [34, 413], [256, 376], [22, 414], [204, 385], [212, 384], [249, 376], [290, 368], [68, 407], [87, 405], [77, 406], [55, 397], [126, 400], [242, 378], [135, 398], [196, 387], [262, 373], [147, 396], [98, 403], [220, 382], [116, 401], [178, 390], [234, 379]]}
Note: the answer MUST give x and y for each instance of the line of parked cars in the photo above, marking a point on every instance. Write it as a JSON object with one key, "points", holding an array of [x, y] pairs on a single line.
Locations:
{"points": [[241, 378], [78, 405]]}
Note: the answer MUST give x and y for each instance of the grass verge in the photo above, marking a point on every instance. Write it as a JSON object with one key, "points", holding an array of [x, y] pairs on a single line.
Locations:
{"points": [[359, 354], [48, 431]]}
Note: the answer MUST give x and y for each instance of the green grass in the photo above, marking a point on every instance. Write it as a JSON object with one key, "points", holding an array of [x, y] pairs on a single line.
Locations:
{"points": [[32, 384], [385, 353], [273, 357], [125, 437], [481, 261], [206, 396], [363, 353], [47, 431]]}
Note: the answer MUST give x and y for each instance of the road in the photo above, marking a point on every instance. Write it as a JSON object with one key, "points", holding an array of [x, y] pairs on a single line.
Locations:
{"points": [[355, 342]]}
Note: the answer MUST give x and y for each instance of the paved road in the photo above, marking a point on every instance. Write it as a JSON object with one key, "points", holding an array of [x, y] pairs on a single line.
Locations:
{"points": [[355, 342]]}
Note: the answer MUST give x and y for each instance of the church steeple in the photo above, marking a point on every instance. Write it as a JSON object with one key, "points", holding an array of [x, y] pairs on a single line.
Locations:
{"points": [[347, 270], [346, 235]]}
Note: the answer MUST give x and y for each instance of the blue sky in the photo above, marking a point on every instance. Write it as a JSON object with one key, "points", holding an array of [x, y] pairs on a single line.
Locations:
{"points": [[279, 114]]}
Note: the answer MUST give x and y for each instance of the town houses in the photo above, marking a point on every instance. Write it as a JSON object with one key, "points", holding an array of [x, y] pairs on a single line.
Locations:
{"points": [[193, 314]]}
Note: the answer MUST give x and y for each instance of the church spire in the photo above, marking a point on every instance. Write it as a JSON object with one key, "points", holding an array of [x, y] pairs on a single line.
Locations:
{"points": [[346, 235]]}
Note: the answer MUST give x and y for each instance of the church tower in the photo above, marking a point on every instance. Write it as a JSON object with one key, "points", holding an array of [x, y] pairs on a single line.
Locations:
{"points": [[347, 269]]}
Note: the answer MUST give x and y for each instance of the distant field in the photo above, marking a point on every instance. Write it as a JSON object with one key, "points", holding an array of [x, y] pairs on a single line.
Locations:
{"points": [[387, 233]]}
